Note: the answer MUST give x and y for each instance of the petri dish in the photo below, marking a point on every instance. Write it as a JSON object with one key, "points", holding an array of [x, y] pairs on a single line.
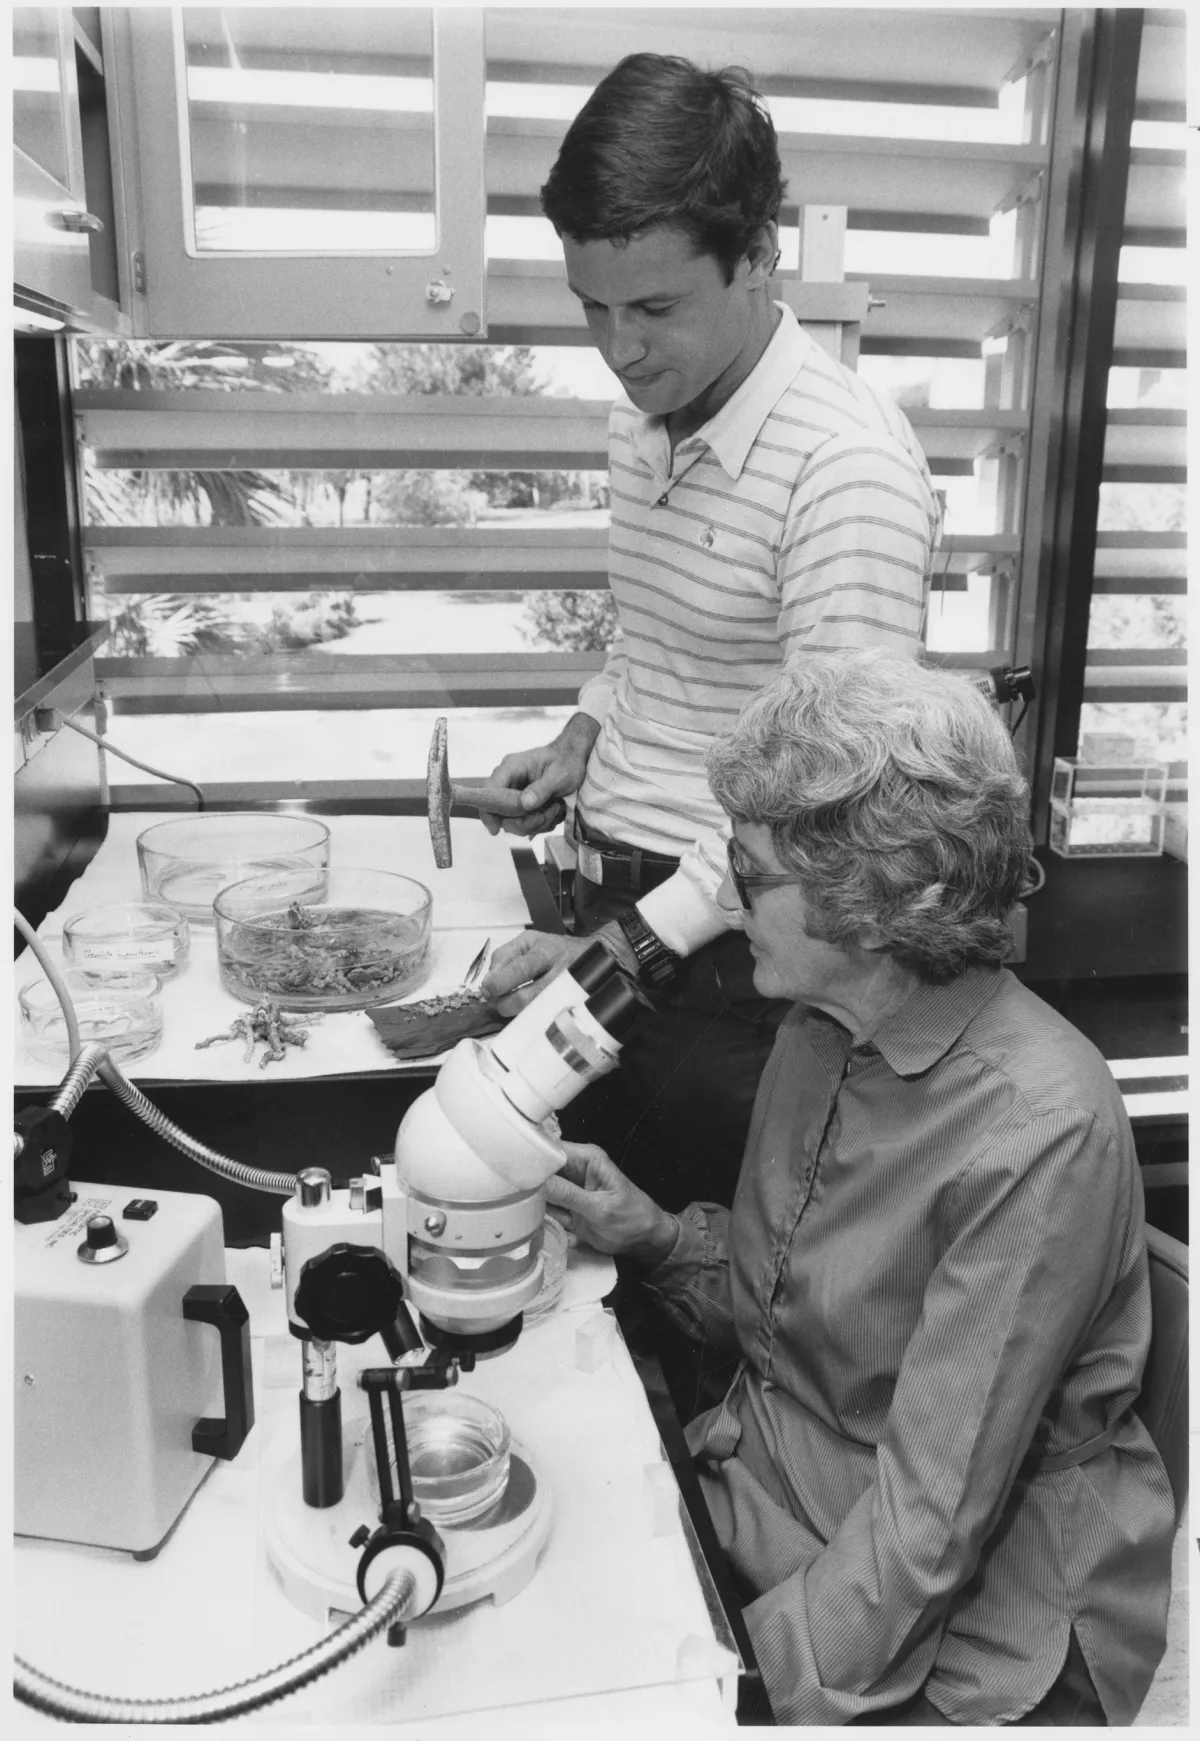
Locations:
{"points": [[458, 1454], [556, 1248], [187, 861], [119, 945], [126, 1019], [341, 941]]}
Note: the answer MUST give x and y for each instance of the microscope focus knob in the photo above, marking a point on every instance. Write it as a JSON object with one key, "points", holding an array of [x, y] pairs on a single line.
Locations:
{"points": [[348, 1293]]}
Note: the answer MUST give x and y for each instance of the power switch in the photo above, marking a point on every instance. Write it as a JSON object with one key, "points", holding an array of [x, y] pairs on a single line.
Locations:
{"points": [[140, 1209]]}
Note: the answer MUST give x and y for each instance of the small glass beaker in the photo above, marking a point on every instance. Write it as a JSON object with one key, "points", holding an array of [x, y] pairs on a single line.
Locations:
{"points": [[458, 1454]]}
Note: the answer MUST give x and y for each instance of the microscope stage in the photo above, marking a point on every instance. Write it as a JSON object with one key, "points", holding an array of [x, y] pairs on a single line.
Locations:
{"points": [[494, 1555]]}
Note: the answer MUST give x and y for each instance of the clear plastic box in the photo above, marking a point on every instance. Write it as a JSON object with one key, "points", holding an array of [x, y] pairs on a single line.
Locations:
{"points": [[1107, 810]]}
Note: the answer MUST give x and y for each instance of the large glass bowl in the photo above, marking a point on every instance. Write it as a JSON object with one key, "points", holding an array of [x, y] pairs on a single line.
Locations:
{"points": [[343, 941], [188, 860]]}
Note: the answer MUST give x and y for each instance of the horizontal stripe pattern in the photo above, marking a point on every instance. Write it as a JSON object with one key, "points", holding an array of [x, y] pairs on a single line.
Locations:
{"points": [[801, 516], [935, 1266]]}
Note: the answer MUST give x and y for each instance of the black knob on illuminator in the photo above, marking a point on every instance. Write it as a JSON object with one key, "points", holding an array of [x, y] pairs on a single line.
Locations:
{"points": [[101, 1233]]}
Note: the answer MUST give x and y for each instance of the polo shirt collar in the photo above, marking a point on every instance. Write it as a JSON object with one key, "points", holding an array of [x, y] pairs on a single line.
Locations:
{"points": [[733, 431], [933, 1019]]}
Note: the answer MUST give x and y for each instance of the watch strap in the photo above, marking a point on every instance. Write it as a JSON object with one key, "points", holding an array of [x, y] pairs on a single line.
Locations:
{"points": [[658, 966]]}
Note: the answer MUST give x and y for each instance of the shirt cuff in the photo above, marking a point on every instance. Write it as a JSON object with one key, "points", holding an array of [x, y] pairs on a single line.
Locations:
{"points": [[683, 915], [691, 1249]]}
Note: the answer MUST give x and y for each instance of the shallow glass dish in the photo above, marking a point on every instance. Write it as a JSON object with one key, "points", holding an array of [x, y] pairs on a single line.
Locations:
{"points": [[555, 1250], [119, 945], [125, 1019], [339, 942], [458, 1454], [188, 860]]}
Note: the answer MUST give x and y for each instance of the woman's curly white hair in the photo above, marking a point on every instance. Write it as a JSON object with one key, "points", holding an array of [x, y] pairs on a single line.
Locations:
{"points": [[893, 790]]}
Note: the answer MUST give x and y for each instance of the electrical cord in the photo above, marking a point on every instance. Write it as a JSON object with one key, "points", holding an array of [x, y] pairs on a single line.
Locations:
{"points": [[110, 749], [1015, 726], [100, 1064]]}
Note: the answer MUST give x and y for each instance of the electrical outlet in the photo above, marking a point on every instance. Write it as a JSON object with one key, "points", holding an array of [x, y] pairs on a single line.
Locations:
{"points": [[34, 732]]}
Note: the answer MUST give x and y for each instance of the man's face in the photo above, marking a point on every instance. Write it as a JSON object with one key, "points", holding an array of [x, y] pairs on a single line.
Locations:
{"points": [[664, 319]]}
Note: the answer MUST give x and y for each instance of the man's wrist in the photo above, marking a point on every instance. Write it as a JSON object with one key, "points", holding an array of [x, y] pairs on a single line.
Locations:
{"points": [[579, 735]]}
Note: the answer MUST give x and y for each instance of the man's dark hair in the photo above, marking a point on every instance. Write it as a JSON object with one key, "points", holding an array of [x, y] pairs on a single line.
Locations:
{"points": [[659, 141]]}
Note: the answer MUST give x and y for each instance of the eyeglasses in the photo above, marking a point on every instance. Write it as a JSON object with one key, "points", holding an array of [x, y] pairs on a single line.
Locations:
{"points": [[744, 881]]}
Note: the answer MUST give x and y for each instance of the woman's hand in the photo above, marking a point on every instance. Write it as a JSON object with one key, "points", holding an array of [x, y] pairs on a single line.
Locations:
{"points": [[525, 965], [595, 1201]]}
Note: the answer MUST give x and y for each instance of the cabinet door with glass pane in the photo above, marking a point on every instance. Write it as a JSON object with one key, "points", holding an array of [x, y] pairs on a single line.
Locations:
{"points": [[50, 219], [305, 171]]}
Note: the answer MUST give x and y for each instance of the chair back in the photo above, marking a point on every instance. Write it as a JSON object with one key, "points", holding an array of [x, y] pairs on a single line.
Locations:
{"points": [[1163, 1403]]}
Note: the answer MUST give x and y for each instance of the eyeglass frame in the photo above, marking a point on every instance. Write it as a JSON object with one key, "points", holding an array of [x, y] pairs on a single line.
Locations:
{"points": [[744, 881]]}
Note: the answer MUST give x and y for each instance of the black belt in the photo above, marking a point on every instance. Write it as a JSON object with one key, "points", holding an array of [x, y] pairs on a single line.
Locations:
{"points": [[613, 865]]}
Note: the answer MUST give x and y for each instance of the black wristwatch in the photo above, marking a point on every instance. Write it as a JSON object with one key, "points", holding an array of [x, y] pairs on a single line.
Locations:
{"points": [[658, 966]]}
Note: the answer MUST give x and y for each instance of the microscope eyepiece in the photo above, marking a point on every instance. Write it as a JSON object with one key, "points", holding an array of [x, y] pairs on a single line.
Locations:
{"points": [[614, 1005], [594, 968]]}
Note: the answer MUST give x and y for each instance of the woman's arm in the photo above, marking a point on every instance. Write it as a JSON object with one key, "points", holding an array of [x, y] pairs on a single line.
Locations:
{"points": [[685, 1256]]}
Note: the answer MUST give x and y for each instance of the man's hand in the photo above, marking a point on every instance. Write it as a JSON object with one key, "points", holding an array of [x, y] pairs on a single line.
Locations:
{"points": [[544, 776], [600, 1206], [525, 966]]}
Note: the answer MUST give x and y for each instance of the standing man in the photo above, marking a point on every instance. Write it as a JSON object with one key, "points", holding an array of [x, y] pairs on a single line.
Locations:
{"points": [[764, 503]]}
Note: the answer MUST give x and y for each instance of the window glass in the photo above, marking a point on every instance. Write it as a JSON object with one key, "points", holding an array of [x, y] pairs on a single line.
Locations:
{"points": [[942, 383], [39, 125], [1159, 728], [1129, 389], [1142, 508], [1138, 620], [310, 129], [330, 745]]}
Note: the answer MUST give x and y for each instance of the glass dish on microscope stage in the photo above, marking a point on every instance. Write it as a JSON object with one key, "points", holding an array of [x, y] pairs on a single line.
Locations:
{"points": [[458, 1454], [339, 942], [190, 859], [126, 1020], [119, 945], [555, 1250]]}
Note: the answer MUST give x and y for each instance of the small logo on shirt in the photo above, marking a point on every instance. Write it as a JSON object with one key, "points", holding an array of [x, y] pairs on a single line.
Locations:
{"points": [[708, 537]]}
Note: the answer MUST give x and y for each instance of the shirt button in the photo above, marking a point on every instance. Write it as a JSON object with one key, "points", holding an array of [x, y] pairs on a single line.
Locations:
{"points": [[661, 502]]}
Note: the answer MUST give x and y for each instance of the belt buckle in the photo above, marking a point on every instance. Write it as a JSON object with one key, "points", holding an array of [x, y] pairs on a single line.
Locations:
{"points": [[591, 865]]}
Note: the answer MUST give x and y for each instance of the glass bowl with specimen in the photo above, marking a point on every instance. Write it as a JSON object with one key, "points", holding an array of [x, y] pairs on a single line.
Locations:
{"points": [[341, 941]]}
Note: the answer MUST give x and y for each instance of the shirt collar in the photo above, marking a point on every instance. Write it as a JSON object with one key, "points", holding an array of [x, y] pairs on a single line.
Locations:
{"points": [[732, 432], [933, 1019]]}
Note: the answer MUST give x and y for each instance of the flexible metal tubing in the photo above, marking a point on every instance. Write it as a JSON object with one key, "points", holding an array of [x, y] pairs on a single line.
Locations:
{"points": [[32, 1687], [99, 1063]]}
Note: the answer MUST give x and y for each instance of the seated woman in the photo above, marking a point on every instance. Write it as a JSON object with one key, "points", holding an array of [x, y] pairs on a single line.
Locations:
{"points": [[937, 1501]]}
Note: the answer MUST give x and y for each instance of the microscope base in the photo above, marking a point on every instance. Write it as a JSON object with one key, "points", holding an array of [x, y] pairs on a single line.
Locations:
{"points": [[496, 1555]]}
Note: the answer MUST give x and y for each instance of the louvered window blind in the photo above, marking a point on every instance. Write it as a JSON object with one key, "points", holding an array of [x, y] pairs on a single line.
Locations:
{"points": [[318, 545]]}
